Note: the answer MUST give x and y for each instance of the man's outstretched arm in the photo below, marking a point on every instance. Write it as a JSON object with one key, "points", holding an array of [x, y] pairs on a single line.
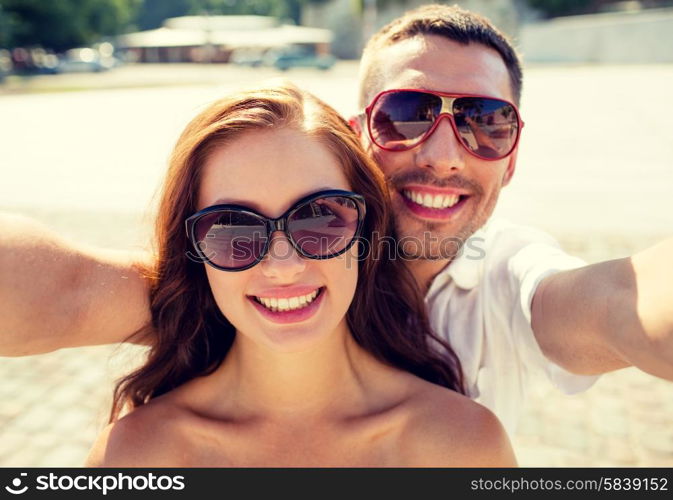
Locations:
{"points": [[55, 295], [610, 315]]}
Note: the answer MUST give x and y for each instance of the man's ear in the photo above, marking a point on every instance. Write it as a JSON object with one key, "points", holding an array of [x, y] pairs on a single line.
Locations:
{"points": [[354, 124], [511, 166]]}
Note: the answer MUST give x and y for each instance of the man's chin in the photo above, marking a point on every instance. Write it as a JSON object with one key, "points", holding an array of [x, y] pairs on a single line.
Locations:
{"points": [[426, 244]]}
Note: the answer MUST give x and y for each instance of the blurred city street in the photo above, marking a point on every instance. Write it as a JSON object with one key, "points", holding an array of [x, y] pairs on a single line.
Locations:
{"points": [[86, 153]]}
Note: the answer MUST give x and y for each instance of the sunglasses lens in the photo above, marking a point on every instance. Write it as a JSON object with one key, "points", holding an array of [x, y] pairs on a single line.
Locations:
{"points": [[325, 226], [488, 127], [231, 239], [398, 120]]}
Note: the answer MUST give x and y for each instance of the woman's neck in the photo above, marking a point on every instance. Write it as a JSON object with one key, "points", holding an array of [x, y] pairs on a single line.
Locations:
{"points": [[321, 380]]}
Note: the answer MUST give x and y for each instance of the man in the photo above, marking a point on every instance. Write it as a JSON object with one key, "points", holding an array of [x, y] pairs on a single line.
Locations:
{"points": [[515, 308], [583, 321]]}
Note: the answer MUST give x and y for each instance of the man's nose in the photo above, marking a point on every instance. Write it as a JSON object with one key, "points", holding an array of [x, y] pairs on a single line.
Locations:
{"points": [[282, 263], [442, 151]]}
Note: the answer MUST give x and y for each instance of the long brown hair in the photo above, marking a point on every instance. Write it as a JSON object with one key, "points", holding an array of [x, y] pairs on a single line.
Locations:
{"points": [[190, 335]]}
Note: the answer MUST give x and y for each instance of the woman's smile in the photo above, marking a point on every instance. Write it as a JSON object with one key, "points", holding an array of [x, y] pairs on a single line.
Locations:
{"points": [[288, 305]]}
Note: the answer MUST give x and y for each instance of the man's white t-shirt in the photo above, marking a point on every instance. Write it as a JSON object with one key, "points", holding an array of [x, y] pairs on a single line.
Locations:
{"points": [[481, 304]]}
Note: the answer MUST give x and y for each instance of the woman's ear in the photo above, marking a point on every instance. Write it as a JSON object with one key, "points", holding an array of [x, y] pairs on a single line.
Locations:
{"points": [[354, 124]]}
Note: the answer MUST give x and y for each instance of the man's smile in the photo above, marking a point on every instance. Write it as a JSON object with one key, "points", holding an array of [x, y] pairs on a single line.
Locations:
{"points": [[433, 203]]}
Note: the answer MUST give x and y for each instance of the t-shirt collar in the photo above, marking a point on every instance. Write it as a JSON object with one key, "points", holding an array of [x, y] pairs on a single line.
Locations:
{"points": [[465, 270]]}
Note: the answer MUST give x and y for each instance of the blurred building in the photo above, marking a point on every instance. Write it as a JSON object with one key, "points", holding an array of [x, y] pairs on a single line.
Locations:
{"points": [[634, 36], [215, 38]]}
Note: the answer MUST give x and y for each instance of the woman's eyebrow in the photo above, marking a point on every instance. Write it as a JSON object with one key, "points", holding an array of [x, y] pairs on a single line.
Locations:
{"points": [[234, 201], [226, 201], [255, 206]]}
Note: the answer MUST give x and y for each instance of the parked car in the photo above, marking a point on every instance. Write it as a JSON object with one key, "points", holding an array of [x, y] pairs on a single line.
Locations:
{"points": [[5, 64], [247, 57], [85, 60], [29, 61], [298, 57]]}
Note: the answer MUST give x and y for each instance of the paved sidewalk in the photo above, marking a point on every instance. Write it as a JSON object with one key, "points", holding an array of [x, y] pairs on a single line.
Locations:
{"points": [[625, 420], [54, 405]]}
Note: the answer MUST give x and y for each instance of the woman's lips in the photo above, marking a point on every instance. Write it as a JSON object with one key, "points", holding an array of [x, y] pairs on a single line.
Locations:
{"points": [[301, 313]]}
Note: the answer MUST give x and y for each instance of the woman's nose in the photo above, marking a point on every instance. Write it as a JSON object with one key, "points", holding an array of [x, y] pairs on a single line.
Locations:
{"points": [[282, 262]]}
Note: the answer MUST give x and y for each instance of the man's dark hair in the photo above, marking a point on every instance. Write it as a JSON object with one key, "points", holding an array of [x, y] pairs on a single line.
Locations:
{"points": [[450, 22]]}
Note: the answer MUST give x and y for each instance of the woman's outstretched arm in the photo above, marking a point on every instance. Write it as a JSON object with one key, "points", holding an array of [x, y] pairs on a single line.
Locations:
{"points": [[55, 294]]}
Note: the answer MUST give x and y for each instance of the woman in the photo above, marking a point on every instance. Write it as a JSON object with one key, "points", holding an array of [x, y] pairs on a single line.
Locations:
{"points": [[285, 334]]}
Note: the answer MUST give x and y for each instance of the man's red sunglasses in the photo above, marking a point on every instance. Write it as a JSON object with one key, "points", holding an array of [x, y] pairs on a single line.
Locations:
{"points": [[401, 119]]}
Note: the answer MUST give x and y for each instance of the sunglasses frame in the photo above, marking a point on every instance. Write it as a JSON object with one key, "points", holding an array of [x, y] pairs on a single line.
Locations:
{"points": [[446, 111], [278, 224]]}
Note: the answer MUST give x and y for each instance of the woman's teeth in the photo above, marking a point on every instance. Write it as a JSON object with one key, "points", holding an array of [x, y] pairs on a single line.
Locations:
{"points": [[430, 201], [287, 303]]}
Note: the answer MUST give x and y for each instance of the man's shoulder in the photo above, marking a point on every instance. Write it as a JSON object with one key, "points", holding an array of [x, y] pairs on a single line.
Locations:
{"points": [[513, 251], [502, 236], [449, 429], [487, 254]]}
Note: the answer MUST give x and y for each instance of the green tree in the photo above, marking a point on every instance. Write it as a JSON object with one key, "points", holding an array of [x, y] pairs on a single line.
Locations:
{"points": [[63, 24], [554, 8], [4, 28], [281, 9], [152, 13]]}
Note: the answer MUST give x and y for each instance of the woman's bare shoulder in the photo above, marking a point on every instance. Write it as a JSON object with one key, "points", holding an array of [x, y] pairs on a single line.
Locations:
{"points": [[447, 429], [148, 436]]}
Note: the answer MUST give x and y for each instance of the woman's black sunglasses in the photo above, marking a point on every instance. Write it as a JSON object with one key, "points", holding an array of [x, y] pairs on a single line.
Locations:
{"points": [[322, 225]]}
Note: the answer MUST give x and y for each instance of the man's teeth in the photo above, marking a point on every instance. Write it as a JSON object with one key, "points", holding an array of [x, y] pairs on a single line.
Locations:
{"points": [[430, 201], [288, 303]]}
